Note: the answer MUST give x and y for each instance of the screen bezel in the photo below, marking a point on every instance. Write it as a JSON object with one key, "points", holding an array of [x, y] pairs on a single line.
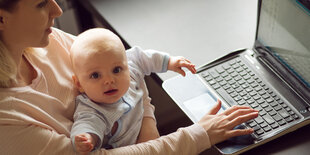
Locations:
{"points": [[266, 55]]}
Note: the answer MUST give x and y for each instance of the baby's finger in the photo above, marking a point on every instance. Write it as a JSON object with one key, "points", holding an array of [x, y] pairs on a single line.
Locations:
{"points": [[193, 69], [187, 60], [80, 138], [189, 66], [84, 146], [180, 71]]}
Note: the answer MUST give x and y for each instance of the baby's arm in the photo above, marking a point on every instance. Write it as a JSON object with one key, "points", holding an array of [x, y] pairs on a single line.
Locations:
{"points": [[148, 129], [85, 142], [176, 63]]}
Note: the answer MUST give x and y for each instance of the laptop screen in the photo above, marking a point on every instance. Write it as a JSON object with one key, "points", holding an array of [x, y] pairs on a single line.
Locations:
{"points": [[284, 28]]}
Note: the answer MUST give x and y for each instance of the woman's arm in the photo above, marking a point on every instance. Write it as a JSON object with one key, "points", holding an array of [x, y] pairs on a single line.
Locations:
{"points": [[22, 138], [31, 139], [190, 141]]}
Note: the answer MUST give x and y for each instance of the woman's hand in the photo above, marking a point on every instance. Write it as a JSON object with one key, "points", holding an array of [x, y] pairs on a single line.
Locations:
{"points": [[220, 126], [176, 64]]}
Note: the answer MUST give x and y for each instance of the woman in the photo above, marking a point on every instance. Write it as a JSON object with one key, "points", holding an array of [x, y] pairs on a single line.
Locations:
{"points": [[36, 94]]}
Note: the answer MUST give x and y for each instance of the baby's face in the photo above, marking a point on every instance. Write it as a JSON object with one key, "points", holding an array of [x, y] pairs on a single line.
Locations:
{"points": [[103, 75]]}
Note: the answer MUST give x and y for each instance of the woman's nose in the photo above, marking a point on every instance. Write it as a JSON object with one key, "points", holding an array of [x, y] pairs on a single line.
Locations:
{"points": [[55, 10]]}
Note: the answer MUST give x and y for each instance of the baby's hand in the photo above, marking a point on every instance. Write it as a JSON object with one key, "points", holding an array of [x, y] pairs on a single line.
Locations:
{"points": [[83, 143], [176, 64]]}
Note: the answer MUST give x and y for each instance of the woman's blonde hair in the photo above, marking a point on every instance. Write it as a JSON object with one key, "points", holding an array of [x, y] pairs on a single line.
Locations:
{"points": [[8, 68]]}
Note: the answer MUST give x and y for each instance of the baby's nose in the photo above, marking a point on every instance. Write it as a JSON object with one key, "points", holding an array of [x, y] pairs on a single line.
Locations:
{"points": [[108, 80]]}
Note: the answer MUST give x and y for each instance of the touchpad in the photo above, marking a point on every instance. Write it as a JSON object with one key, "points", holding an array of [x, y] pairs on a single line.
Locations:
{"points": [[191, 95], [200, 105]]}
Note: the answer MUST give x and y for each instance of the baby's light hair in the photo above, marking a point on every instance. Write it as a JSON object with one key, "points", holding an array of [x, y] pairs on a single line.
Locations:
{"points": [[104, 39]]}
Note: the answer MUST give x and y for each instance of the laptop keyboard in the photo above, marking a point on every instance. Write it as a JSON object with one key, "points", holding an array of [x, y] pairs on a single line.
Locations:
{"points": [[238, 85]]}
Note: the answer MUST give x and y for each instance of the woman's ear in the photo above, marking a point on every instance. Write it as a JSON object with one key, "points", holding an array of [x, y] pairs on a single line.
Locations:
{"points": [[77, 84], [2, 19]]}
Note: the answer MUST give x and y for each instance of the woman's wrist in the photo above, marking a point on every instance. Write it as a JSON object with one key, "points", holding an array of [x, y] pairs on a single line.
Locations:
{"points": [[200, 136]]}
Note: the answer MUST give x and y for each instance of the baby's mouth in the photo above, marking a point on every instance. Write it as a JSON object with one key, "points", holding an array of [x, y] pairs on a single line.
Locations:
{"points": [[110, 92]]}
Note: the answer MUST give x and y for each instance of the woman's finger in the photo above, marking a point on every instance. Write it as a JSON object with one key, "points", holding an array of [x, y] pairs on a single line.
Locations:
{"points": [[240, 112], [215, 108], [234, 108], [242, 118], [239, 132]]}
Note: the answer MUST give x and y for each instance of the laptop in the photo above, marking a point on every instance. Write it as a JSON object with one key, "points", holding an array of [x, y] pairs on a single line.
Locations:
{"points": [[272, 77]]}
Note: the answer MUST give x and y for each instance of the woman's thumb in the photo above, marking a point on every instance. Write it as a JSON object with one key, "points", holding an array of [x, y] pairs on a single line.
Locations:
{"points": [[216, 108]]}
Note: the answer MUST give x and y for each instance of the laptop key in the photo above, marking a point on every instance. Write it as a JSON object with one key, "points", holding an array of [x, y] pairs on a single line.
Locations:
{"points": [[256, 127], [226, 87], [226, 66], [259, 132], [264, 105], [214, 74], [254, 105], [277, 117], [268, 119], [282, 122], [241, 102], [260, 101], [264, 124], [272, 113], [216, 86], [224, 74], [273, 104], [259, 120], [219, 79], [261, 111], [267, 128], [274, 125], [268, 109], [289, 119], [220, 69], [204, 74], [252, 124], [250, 101], [277, 108], [237, 98], [295, 116], [283, 113]]}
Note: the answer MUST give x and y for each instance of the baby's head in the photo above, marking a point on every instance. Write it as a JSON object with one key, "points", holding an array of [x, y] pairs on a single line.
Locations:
{"points": [[100, 65]]}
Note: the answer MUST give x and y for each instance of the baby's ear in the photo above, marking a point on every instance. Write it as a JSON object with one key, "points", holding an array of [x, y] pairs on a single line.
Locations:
{"points": [[77, 84]]}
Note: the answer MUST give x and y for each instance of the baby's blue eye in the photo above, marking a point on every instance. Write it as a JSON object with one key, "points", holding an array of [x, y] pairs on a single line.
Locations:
{"points": [[117, 69], [94, 75]]}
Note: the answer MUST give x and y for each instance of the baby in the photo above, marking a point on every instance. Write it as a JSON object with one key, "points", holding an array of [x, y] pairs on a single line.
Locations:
{"points": [[111, 104]]}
